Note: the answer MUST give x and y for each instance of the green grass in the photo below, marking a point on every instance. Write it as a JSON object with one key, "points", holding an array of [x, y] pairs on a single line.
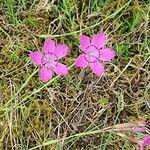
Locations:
{"points": [[11, 11], [71, 112]]}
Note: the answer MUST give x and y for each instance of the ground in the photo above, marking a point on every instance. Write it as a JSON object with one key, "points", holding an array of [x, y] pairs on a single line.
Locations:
{"points": [[70, 112]]}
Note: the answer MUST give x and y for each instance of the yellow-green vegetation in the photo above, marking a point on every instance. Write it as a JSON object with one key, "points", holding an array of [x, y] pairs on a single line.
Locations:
{"points": [[70, 112]]}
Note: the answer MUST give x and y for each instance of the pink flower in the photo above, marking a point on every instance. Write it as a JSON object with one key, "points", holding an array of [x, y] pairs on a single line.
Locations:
{"points": [[145, 142], [142, 144], [94, 53], [48, 60]]}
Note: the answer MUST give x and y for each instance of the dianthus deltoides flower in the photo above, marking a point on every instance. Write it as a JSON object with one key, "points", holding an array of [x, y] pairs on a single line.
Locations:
{"points": [[48, 60], [142, 143], [94, 53], [145, 142]]}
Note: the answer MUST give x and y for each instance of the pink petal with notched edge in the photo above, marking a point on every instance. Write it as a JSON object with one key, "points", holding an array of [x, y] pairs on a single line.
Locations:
{"points": [[81, 61], [61, 69], [99, 40], [107, 54], [147, 140], [84, 42], [45, 74], [97, 68], [36, 57], [49, 46], [61, 50]]}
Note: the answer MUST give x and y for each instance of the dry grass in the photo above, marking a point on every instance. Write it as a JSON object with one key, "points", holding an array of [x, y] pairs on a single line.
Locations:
{"points": [[32, 112]]}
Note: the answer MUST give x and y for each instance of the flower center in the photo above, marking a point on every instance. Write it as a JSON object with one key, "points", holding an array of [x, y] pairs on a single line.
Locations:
{"points": [[92, 54], [92, 51], [49, 60]]}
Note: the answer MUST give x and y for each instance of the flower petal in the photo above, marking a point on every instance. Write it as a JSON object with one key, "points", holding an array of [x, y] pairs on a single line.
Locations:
{"points": [[45, 74], [36, 57], [84, 42], [147, 140], [107, 54], [61, 50], [49, 46], [99, 40], [97, 68], [139, 129], [61, 69], [81, 61]]}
